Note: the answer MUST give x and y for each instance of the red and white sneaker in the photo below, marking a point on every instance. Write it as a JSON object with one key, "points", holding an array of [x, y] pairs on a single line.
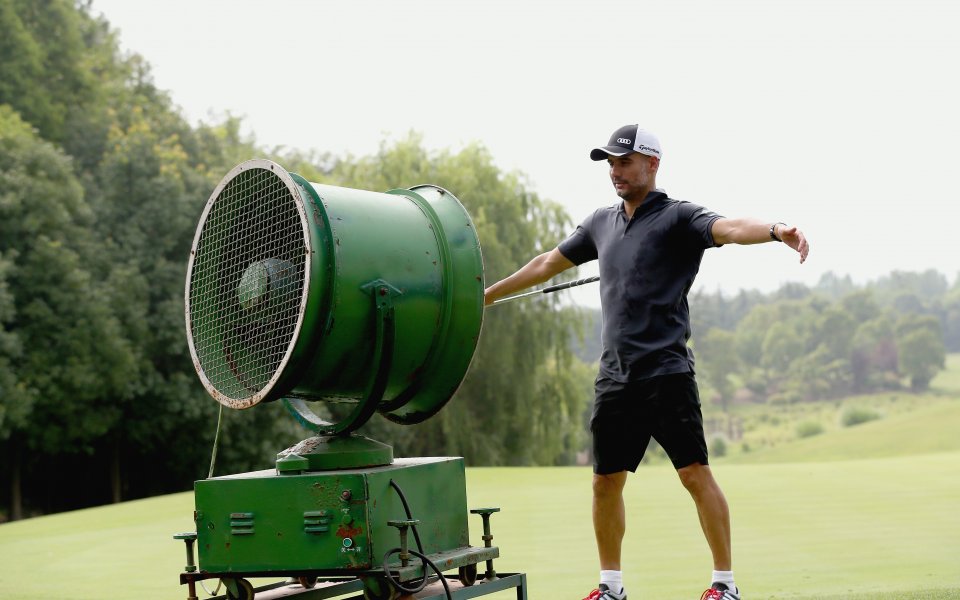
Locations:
{"points": [[605, 593], [719, 591]]}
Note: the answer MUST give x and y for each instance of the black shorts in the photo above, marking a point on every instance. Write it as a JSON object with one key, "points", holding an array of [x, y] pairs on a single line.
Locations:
{"points": [[627, 415]]}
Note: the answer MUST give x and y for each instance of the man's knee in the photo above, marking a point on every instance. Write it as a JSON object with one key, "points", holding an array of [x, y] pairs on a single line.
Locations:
{"points": [[696, 477], [609, 485]]}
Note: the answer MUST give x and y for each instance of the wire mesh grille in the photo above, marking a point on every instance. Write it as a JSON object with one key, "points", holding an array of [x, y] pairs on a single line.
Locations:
{"points": [[246, 284]]}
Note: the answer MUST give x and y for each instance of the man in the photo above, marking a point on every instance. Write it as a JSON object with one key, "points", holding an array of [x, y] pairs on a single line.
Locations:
{"points": [[649, 248]]}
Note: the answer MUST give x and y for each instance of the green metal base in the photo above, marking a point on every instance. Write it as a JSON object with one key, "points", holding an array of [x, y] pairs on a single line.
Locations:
{"points": [[329, 453], [329, 522]]}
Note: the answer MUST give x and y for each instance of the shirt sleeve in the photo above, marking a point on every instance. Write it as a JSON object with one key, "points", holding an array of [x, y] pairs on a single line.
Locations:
{"points": [[699, 222], [580, 247]]}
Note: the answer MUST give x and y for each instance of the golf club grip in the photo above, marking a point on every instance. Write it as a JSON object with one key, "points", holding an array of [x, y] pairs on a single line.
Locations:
{"points": [[569, 284]]}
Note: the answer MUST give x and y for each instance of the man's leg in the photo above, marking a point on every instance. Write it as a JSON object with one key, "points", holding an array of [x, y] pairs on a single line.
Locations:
{"points": [[609, 518], [712, 510]]}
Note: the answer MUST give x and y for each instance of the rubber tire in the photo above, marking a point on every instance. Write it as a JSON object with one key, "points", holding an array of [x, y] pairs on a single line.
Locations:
{"points": [[245, 588], [384, 590], [307, 582], [467, 575]]}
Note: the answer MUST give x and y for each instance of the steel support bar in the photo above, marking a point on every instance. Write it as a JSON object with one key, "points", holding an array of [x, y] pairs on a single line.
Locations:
{"points": [[484, 588], [336, 589]]}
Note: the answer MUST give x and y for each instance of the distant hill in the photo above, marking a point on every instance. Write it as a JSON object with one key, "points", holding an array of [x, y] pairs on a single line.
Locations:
{"points": [[929, 429]]}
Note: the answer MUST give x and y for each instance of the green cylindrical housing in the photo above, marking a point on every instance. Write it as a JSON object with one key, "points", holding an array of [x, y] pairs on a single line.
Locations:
{"points": [[291, 286]]}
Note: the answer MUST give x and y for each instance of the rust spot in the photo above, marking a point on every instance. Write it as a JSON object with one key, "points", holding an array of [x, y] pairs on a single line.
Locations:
{"points": [[345, 531], [479, 279], [228, 545]]}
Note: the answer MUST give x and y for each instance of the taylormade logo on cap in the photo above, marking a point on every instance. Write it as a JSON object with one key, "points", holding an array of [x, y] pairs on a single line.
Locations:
{"points": [[627, 139]]}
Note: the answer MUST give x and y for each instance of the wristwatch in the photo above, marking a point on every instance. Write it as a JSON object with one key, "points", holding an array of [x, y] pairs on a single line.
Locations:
{"points": [[773, 231]]}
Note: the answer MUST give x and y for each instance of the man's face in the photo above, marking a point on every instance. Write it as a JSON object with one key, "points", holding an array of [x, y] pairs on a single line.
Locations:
{"points": [[633, 175]]}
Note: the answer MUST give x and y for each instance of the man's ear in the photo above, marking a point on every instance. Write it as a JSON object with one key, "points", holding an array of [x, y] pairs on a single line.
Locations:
{"points": [[654, 163]]}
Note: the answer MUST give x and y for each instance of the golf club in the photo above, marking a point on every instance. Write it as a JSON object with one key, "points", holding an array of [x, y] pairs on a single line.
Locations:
{"points": [[548, 290]]}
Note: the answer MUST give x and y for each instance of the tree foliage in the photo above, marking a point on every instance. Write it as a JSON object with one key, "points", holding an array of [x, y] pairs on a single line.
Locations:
{"points": [[101, 185], [837, 338]]}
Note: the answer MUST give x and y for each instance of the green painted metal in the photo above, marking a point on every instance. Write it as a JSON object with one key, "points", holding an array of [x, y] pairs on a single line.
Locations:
{"points": [[304, 292], [324, 453], [284, 288], [326, 522]]}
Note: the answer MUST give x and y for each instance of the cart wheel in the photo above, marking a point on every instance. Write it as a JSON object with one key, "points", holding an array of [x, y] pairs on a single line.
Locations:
{"points": [[307, 582], [378, 588], [239, 589], [468, 575]]}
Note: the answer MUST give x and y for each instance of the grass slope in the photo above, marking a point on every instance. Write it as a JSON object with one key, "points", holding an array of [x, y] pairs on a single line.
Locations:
{"points": [[927, 429], [880, 528], [907, 424]]}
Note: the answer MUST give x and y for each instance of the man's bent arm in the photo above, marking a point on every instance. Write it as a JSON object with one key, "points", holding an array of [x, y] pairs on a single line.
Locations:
{"points": [[543, 267], [755, 231]]}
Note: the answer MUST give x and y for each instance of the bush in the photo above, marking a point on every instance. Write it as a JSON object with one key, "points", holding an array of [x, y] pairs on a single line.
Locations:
{"points": [[718, 447], [809, 429], [858, 415]]}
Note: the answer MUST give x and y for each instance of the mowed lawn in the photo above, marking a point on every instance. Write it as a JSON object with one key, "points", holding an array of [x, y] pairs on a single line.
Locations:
{"points": [[875, 528]]}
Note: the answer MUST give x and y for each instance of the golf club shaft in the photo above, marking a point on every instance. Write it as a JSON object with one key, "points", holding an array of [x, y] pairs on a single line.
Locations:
{"points": [[548, 290]]}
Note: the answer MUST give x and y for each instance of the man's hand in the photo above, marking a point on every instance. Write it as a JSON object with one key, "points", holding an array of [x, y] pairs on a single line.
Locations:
{"points": [[487, 297], [538, 270], [794, 238], [754, 231]]}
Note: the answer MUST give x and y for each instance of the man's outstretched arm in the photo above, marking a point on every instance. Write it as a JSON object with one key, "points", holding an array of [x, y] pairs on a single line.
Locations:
{"points": [[543, 267], [755, 231]]}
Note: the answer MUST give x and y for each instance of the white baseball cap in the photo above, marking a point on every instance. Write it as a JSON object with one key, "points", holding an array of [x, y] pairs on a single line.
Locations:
{"points": [[628, 139]]}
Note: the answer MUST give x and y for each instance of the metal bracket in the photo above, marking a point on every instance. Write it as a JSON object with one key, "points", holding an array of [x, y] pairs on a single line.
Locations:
{"points": [[382, 294]]}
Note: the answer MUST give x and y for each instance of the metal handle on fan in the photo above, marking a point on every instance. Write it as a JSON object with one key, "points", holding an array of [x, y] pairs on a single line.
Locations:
{"points": [[385, 328]]}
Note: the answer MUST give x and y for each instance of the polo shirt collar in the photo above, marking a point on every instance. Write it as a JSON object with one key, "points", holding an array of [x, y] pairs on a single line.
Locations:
{"points": [[652, 199]]}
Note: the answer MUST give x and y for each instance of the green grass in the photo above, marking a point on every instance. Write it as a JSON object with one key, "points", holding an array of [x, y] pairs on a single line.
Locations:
{"points": [[881, 528], [948, 380], [870, 512]]}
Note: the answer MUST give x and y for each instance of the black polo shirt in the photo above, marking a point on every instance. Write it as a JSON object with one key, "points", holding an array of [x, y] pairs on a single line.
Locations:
{"points": [[647, 265]]}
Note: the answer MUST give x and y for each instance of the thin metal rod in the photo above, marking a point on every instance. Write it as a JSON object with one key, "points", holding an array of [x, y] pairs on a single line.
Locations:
{"points": [[548, 290]]}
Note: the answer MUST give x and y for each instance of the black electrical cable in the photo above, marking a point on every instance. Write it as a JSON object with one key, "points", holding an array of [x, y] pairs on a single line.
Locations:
{"points": [[406, 509], [420, 555]]}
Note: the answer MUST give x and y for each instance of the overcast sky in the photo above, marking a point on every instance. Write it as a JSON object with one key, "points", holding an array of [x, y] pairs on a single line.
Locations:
{"points": [[840, 116]]}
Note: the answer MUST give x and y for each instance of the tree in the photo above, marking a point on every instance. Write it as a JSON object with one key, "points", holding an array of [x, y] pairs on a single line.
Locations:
{"points": [[716, 352], [70, 355], [920, 349], [46, 71], [874, 355]]}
